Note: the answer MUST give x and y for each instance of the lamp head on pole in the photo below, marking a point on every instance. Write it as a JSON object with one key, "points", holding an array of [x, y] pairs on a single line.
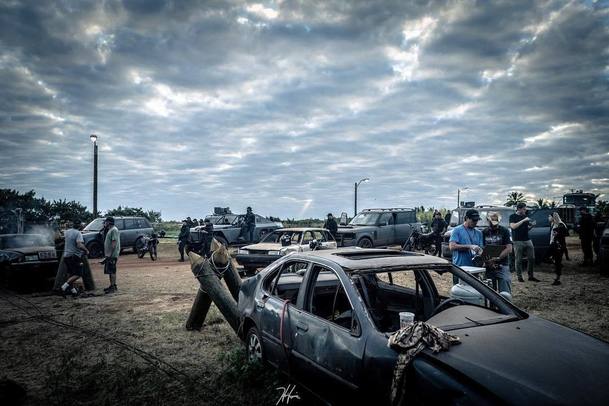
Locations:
{"points": [[93, 138], [363, 180]]}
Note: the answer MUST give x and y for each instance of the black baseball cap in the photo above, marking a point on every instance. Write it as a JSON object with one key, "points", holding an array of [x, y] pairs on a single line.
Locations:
{"points": [[110, 219], [520, 205], [472, 214]]}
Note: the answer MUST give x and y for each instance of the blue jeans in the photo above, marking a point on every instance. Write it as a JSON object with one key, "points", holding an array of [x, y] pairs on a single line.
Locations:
{"points": [[520, 247], [502, 278]]}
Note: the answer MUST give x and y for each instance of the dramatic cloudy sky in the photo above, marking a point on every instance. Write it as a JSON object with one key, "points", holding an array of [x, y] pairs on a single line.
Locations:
{"points": [[283, 105]]}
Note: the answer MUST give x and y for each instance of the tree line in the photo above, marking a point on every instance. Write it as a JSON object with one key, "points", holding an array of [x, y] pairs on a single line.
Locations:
{"points": [[40, 210]]}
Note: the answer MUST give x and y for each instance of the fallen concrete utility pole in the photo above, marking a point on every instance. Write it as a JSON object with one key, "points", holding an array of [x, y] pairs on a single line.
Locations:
{"points": [[209, 273]]}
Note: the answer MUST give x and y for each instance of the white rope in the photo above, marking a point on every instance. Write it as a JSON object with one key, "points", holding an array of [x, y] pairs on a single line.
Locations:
{"points": [[220, 271]]}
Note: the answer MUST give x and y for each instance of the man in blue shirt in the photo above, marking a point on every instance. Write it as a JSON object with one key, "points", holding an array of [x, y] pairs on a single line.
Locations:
{"points": [[465, 240]]}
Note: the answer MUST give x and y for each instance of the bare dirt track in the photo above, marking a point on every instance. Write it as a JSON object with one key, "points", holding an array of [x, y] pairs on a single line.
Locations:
{"points": [[131, 347]]}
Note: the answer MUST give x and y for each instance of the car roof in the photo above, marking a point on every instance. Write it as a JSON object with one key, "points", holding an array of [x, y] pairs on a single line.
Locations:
{"points": [[392, 209], [300, 229], [375, 259]]}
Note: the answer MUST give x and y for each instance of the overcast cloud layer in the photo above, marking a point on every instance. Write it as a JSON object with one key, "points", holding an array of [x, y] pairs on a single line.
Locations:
{"points": [[284, 105]]}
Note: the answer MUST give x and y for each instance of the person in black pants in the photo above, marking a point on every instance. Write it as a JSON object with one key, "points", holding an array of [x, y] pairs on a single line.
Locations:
{"points": [[438, 226], [249, 225], [586, 234], [558, 244], [330, 225], [207, 238], [183, 238]]}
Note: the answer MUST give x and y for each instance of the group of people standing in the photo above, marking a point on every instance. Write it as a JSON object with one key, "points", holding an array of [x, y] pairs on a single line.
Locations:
{"points": [[466, 243], [75, 251]]}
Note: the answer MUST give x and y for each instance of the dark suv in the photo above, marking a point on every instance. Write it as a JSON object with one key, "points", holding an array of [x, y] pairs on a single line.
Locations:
{"points": [[132, 231], [379, 227]]}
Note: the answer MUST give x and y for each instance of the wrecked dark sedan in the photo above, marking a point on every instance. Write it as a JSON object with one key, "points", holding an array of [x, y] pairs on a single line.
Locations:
{"points": [[24, 254], [324, 318]]}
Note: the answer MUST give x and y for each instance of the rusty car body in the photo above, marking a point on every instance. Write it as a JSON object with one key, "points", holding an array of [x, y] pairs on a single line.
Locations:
{"points": [[324, 318]]}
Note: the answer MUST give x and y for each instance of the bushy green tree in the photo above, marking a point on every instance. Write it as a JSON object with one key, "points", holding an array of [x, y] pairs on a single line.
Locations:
{"points": [[153, 216]]}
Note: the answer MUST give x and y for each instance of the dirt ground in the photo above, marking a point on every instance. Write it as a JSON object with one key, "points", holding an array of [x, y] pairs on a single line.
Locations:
{"points": [[132, 348]]}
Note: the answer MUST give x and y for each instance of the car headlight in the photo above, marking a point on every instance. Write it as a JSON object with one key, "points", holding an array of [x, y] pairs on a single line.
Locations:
{"points": [[242, 251], [274, 253]]}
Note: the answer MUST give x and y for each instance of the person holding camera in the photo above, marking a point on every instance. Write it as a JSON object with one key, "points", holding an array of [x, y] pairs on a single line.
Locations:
{"points": [[520, 225], [497, 268]]}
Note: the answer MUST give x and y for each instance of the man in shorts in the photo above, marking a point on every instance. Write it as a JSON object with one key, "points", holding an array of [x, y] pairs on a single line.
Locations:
{"points": [[72, 257], [112, 248]]}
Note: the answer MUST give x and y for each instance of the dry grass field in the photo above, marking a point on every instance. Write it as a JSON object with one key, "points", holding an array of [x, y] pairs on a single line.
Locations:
{"points": [[132, 348]]}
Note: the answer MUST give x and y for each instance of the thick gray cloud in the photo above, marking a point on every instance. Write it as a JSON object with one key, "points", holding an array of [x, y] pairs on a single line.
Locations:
{"points": [[284, 105]]}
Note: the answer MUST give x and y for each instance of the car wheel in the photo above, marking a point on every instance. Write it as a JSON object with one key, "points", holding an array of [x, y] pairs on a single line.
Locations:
{"points": [[253, 346], [139, 244], [95, 250], [221, 240], [365, 243]]}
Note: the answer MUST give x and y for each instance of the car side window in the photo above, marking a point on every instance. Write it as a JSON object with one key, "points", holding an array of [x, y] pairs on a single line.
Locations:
{"points": [[386, 218], [328, 236], [402, 218], [285, 282], [319, 236], [119, 224], [328, 298], [129, 224], [308, 237]]}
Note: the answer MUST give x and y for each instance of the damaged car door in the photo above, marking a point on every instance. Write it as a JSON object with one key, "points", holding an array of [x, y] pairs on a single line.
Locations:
{"points": [[328, 345], [277, 308]]}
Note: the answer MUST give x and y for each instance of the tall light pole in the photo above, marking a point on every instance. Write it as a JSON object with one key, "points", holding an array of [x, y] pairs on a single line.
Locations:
{"points": [[356, 185], [93, 138], [459, 195]]}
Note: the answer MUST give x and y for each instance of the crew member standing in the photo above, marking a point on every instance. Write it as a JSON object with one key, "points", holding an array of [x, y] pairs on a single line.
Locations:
{"points": [[330, 225], [112, 249], [72, 256], [249, 225], [495, 234], [466, 241], [520, 225], [438, 226], [558, 244], [586, 234], [207, 238], [183, 238]]}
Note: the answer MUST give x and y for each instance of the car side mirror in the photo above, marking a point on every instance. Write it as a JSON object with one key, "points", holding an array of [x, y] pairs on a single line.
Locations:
{"points": [[355, 330]]}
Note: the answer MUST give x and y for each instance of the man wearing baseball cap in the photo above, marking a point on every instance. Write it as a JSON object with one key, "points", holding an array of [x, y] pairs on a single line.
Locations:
{"points": [[520, 225], [465, 240], [112, 249]]}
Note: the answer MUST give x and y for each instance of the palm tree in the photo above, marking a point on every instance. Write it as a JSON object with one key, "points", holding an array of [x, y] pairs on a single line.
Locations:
{"points": [[552, 204], [542, 203], [513, 198]]}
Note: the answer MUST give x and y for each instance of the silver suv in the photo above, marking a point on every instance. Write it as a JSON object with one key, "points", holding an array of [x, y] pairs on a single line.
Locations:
{"points": [[379, 227], [132, 231]]}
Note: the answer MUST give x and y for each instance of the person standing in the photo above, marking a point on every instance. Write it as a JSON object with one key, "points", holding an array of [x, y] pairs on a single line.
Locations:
{"points": [[112, 249], [520, 225], [466, 241], [558, 244], [498, 269], [206, 238], [586, 234], [183, 238], [249, 225], [73, 251], [330, 225], [438, 226]]}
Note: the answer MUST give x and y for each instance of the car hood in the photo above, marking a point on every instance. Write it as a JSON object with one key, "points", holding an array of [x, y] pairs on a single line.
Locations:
{"points": [[264, 246], [532, 361], [29, 250], [9, 256]]}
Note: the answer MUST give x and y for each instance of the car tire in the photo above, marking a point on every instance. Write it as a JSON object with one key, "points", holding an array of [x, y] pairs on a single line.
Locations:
{"points": [[139, 243], [96, 250], [221, 240], [365, 242], [253, 346]]}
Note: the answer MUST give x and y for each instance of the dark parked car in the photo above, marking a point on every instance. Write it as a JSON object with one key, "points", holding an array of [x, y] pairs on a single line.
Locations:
{"points": [[378, 227], [540, 234], [227, 229], [132, 230], [324, 317], [24, 253]]}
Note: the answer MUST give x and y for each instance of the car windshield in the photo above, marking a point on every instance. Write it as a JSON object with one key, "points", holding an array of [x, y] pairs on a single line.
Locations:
{"points": [[365, 219], [456, 217], [22, 241], [276, 236], [95, 225], [431, 295], [224, 219]]}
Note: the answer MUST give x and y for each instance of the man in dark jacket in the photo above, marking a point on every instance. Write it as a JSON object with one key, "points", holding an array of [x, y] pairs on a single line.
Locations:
{"points": [[249, 225], [330, 225], [207, 238], [183, 238], [438, 226], [586, 234]]}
